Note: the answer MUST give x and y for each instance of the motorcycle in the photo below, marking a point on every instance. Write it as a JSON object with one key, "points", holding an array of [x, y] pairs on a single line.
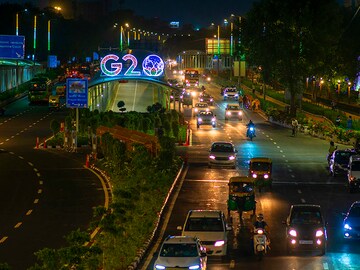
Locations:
{"points": [[260, 243], [251, 133]]}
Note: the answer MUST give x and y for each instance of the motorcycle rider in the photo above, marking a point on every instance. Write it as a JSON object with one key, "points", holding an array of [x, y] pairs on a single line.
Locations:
{"points": [[260, 223], [249, 125]]}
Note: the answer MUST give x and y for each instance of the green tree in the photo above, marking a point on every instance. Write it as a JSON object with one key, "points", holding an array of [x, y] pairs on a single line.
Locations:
{"points": [[54, 126], [292, 39]]}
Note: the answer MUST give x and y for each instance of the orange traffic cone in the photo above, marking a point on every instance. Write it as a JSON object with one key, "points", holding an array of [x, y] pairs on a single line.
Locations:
{"points": [[87, 162]]}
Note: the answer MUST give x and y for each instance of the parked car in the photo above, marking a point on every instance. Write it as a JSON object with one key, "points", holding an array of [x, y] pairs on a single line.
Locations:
{"points": [[354, 173], [351, 223], [222, 154], [210, 227], [339, 161], [181, 252], [305, 229]]}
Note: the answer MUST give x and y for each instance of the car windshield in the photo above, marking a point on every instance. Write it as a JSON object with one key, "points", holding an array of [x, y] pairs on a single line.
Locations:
{"points": [[231, 90], [204, 224], [241, 187], [222, 148], [260, 166], [343, 157], [306, 217], [179, 250], [355, 166], [354, 212], [201, 105], [206, 113], [233, 107]]}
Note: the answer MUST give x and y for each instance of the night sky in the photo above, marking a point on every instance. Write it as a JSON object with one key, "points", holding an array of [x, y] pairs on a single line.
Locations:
{"points": [[200, 13]]}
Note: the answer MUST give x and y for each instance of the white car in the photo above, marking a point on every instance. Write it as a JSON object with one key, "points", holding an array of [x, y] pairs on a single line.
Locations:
{"points": [[222, 154], [210, 227], [200, 106], [181, 252], [233, 111], [206, 118], [354, 173], [231, 93]]}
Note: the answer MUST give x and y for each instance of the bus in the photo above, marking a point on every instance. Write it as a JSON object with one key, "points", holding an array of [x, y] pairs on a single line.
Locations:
{"points": [[191, 78], [39, 90]]}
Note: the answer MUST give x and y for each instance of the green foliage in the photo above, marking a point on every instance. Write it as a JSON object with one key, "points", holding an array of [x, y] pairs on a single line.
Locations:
{"points": [[4, 266], [54, 126]]}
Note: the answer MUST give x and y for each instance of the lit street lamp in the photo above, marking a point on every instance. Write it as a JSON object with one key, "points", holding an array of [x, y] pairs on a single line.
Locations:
{"points": [[349, 85], [338, 88]]}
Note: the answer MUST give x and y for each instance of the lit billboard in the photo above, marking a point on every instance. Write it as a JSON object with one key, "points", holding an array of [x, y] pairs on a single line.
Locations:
{"points": [[215, 46]]}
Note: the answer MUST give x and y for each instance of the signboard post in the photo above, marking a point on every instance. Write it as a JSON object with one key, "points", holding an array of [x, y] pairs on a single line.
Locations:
{"points": [[12, 47], [76, 97]]}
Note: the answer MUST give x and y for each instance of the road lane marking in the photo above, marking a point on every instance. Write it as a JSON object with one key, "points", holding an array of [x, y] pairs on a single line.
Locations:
{"points": [[39, 191], [302, 200], [38, 174], [36, 201], [232, 264], [3, 239], [277, 146], [41, 182], [30, 164], [299, 191], [18, 225], [326, 266], [28, 213]]}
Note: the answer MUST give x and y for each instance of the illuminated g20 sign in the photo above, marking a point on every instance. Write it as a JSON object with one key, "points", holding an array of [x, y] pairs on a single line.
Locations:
{"points": [[152, 66]]}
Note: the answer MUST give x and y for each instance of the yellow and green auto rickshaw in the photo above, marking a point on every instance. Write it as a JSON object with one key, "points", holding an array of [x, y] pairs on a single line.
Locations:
{"points": [[241, 195], [260, 169]]}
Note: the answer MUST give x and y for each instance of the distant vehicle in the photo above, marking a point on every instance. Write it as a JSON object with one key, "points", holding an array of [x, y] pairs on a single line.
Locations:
{"points": [[206, 118], [354, 173], [210, 226], [181, 252], [339, 161], [233, 111], [222, 154], [200, 106], [39, 90], [305, 229], [231, 93], [173, 82], [204, 97], [187, 99], [177, 95], [351, 222], [191, 78], [54, 102]]}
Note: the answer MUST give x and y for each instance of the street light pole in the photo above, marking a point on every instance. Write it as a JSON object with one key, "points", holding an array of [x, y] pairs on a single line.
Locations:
{"points": [[34, 37]]}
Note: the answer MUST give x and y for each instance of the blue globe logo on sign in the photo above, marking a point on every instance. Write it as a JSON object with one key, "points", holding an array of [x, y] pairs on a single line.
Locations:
{"points": [[153, 65]]}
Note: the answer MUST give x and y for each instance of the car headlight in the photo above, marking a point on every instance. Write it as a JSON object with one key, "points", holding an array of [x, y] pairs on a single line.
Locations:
{"points": [[236, 95], [219, 243], [196, 109], [319, 233], [225, 95], [194, 266], [199, 119], [193, 94], [211, 100], [293, 233], [347, 227], [240, 113], [231, 157], [228, 113], [254, 175], [266, 176], [159, 266], [251, 129], [212, 157], [201, 99], [213, 119]]}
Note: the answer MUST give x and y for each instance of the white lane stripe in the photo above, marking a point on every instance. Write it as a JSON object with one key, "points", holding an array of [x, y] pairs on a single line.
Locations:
{"points": [[3, 239], [18, 225], [326, 266], [302, 200], [207, 180]]}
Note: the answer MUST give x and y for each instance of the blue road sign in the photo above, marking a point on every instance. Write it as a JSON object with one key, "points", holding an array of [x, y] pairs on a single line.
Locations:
{"points": [[12, 47], [77, 93]]}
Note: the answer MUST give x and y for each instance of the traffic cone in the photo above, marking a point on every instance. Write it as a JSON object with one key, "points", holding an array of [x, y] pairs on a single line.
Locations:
{"points": [[37, 142]]}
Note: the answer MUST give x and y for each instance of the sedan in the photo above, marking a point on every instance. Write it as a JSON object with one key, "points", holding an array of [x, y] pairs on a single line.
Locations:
{"points": [[222, 154], [351, 223], [305, 229]]}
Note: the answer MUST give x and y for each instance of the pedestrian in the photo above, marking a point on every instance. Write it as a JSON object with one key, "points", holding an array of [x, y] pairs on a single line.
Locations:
{"points": [[333, 105], [294, 125], [349, 122], [337, 121]]}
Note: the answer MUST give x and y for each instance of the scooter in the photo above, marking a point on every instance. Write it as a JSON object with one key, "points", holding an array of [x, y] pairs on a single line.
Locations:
{"points": [[260, 243], [251, 133]]}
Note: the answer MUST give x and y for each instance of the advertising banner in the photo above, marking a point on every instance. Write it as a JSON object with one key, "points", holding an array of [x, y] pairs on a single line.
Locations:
{"points": [[12, 47]]}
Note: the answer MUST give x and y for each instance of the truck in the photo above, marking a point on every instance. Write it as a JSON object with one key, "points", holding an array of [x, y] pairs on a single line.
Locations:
{"points": [[191, 78]]}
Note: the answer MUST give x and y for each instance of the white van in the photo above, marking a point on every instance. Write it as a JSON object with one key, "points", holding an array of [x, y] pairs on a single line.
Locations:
{"points": [[210, 227], [354, 173]]}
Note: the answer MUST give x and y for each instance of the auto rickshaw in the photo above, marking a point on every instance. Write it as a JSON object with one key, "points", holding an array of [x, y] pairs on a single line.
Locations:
{"points": [[260, 169], [241, 195]]}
